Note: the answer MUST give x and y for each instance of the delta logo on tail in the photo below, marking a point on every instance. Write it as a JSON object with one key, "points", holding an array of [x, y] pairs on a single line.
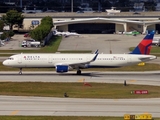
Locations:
{"points": [[144, 46]]}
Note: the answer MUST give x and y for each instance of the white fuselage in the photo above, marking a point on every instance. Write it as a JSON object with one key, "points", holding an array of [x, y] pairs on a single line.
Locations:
{"points": [[51, 60]]}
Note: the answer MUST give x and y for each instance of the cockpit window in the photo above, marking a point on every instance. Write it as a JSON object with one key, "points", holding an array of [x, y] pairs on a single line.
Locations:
{"points": [[10, 59]]}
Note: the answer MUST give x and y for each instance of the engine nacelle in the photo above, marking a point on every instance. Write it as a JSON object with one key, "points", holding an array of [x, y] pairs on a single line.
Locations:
{"points": [[62, 68]]}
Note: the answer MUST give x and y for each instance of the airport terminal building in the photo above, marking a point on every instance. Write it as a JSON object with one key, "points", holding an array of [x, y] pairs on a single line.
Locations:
{"points": [[96, 23]]}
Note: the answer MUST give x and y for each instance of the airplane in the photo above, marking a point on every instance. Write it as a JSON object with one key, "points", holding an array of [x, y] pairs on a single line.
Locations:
{"points": [[55, 32], [66, 34], [66, 62]]}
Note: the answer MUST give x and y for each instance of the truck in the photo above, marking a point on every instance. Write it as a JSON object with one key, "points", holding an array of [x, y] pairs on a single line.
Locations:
{"points": [[156, 41], [30, 43]]}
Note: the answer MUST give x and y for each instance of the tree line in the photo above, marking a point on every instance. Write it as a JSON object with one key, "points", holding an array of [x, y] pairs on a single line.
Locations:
{"points": [[13, 17], [40, 32]]}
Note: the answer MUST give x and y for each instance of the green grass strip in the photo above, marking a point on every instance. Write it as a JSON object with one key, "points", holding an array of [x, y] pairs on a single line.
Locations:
{"points": [[77, 90], [61, 118]]}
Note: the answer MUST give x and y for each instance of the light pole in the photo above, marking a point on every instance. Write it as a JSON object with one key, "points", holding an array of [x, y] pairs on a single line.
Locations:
{"points": [[25, 9], [35, 8]]}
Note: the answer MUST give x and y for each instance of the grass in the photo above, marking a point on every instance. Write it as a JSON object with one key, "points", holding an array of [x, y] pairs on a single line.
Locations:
{"points": [[77, 90], [60, 118]]}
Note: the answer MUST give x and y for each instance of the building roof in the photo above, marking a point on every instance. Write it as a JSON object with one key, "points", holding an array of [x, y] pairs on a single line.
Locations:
{"points": [[107, 20]]}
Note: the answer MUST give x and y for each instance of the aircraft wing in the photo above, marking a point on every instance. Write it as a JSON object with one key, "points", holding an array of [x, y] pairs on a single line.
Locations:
{"points": [[78, 63]]}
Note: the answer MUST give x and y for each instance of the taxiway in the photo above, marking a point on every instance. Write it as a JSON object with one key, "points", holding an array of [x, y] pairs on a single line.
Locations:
{"points": [[49, 106], [144, 78]]}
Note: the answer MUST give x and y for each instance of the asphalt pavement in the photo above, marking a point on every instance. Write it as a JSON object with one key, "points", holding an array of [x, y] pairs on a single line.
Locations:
{"points": [[15, 43], [105, 43]]}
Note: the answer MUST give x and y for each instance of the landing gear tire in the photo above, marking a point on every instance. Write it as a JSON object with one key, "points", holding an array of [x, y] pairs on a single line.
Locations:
{"points": [[78, 72]]}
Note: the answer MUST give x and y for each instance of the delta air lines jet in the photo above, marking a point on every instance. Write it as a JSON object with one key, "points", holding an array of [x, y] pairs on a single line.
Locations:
{"points": [[65, 62]]}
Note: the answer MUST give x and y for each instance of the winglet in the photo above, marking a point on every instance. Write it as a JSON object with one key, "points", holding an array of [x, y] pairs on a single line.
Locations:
{"points": [[96, 51], [144, 46]]}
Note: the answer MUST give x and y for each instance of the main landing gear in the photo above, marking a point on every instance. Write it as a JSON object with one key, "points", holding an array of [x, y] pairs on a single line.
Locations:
{"points": [[79, 72], [20, 71]]}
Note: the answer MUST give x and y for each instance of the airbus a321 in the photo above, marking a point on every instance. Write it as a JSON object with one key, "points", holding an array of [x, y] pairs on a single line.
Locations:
{"points": [[66, 62]]}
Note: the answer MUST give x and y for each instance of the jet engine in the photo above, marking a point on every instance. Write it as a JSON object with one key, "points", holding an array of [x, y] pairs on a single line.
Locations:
{"points": [[62, 68]]}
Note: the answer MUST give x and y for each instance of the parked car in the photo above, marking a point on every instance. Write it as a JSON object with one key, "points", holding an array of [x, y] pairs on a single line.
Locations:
{"points": [[26, 35]]}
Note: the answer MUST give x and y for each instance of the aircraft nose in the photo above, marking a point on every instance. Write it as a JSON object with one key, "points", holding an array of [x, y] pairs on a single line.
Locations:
{"points": [[5, 63]]}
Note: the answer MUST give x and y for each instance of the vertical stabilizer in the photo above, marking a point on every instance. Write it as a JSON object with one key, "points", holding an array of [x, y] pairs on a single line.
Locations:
{"points": [[144, 46]]}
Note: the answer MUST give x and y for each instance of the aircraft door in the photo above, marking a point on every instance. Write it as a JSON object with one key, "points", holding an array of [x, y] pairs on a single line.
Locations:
{"points": [[49, 59], [20, 58], [88, 58], [129, 59]]}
